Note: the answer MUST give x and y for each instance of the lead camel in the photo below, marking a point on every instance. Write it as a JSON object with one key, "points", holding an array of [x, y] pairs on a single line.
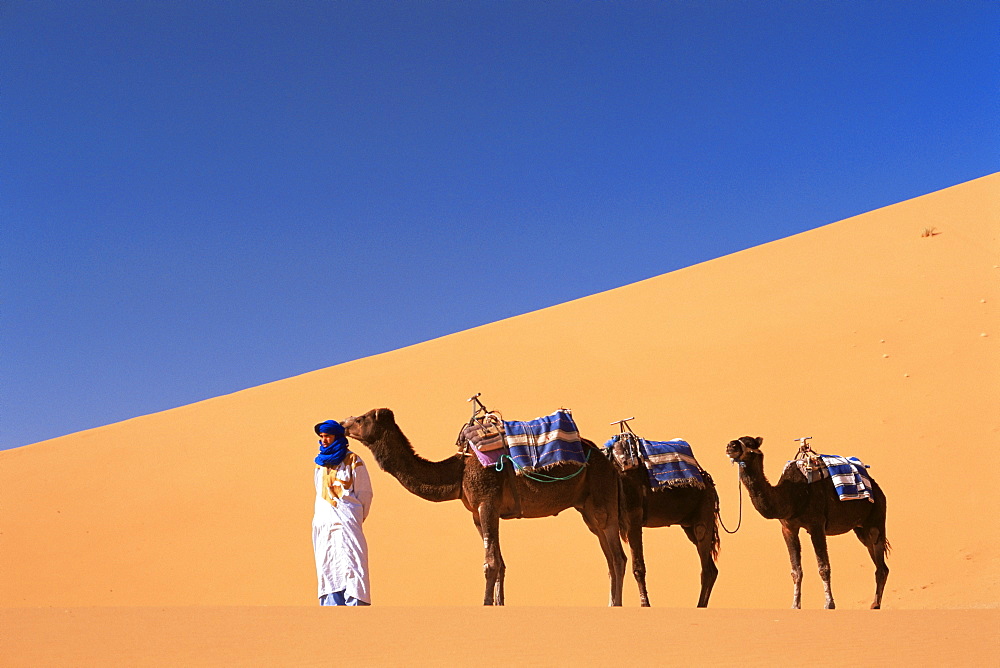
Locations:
{"points": [[492, 495]]}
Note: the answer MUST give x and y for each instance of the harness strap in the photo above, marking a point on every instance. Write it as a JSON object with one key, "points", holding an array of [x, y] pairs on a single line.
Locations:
{"points": [[541, 477]]}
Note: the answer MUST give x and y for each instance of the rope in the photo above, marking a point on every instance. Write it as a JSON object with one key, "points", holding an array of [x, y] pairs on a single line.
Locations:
{"points": [[739, 493], [541, 477]]}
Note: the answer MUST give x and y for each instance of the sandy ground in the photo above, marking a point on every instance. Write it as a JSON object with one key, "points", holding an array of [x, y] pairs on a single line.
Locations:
{"points": [[877, 335], [461, 636]]}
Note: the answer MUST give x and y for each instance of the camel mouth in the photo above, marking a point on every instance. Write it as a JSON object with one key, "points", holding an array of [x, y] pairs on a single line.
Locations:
{"points": [[349, 424]]}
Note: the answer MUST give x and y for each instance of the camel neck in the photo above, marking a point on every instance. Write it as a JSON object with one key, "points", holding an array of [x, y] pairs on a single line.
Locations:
{"points": [[766, 498], [433, 481]]}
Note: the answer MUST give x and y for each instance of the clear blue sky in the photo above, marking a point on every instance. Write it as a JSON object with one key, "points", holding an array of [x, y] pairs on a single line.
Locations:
{"points": [[197, 197]]}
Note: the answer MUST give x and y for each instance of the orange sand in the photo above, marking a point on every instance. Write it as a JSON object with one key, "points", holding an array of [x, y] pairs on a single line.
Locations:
{"points": [[878, 341], [474, 636]]}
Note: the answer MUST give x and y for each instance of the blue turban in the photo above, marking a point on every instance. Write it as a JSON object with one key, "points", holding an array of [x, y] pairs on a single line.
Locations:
{"points": [[329, 427], [333, 454]]}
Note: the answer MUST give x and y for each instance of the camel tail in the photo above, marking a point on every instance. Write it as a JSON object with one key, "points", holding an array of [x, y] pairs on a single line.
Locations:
{"points": [[712, 500], [716, 541]]}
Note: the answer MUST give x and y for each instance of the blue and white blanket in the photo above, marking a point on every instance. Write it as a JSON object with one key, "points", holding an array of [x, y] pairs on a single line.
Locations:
{"points": [[668, 463], [543, 442], [671, 464], [849, 476]]}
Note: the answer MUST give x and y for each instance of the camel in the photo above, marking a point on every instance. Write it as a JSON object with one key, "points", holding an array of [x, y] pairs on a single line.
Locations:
{"points": [[692, 508], [815, 507], [492, 495]]}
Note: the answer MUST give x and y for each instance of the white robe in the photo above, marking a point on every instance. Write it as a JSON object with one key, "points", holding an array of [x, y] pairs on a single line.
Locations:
{"points": [[338, 542]]}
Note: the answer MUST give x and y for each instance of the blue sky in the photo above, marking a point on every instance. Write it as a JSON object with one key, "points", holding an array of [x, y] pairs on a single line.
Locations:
{"points": [[198, 196]]}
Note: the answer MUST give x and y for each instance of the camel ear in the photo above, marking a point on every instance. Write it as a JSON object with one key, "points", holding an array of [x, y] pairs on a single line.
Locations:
{"points": [[760, 441], [384, 415]]}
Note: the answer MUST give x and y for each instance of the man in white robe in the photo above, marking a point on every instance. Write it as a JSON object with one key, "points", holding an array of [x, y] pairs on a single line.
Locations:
{"points": [[343, 499]]}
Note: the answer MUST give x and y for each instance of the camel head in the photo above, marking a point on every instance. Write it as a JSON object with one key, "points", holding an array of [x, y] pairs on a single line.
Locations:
{"points": [[744, 449], [366, 427]]}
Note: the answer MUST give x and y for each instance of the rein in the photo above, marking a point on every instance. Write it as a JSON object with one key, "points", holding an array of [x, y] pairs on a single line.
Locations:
{"points": [[739, 494]]}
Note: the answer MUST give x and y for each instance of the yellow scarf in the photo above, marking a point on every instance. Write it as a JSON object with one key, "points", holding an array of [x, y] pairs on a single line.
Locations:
{"points": [[335, 487]]}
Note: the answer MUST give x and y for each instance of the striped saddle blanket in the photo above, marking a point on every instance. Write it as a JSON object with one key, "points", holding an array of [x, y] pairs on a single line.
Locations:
{"points": [[850, 478], [531, 446], [544, 442], [669, 464]]}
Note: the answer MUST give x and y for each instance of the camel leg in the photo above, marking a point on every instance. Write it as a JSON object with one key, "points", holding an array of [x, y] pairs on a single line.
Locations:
{"points": [[632, 534], [703, 539], [818, 537], [498, 587], [488, 523], [874, 539], [602, 525], [791, 537]]}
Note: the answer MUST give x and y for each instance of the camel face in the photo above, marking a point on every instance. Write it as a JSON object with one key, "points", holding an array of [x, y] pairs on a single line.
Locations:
{"points": [[363, 428], [744, 449]]}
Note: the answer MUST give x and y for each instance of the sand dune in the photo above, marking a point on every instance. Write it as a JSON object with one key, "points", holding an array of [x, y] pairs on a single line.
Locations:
{"points": [[871, 335]]}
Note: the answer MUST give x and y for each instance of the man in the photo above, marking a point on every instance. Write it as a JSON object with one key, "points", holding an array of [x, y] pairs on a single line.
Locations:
{"points": [[343, 497]]}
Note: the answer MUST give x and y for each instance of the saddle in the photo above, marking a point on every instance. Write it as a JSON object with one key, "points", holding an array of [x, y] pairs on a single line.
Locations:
{"points": [[669, 464], [850, 477], [529, 446]]}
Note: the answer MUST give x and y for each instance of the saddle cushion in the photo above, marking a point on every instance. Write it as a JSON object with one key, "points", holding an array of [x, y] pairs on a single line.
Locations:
{"points": [[671, 464], [544, 442], [487, 441]]}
